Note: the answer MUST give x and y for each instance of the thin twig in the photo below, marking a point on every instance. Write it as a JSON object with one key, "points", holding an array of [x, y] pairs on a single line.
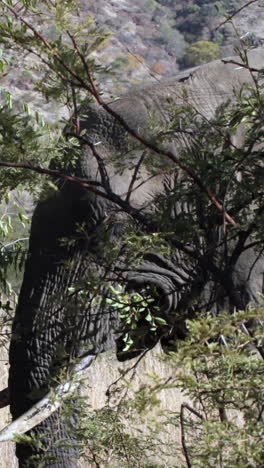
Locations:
{"points": [[132, 368], [49, 47], [85, 65], [76, 118], [134, 176], [183, 440]]}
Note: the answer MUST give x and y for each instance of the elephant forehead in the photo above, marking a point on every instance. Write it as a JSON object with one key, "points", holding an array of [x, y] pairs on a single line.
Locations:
{"points": [[145, 185], [208, 86], [205, 88]]}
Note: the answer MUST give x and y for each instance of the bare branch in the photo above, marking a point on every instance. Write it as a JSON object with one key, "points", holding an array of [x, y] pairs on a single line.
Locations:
{"points": [[91, 186], [192, 410], [21, 239], [242, 65], [170, 155]]}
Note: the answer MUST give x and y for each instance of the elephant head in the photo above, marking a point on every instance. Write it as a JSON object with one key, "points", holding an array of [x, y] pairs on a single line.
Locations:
{"points": [[53, 324]]}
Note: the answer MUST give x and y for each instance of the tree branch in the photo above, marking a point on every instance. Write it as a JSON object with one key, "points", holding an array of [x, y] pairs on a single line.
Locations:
{"points": [[242, 65], [84, 183]]}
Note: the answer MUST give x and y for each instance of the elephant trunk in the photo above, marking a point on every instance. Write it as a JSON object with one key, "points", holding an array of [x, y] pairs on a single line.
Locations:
{"points": [[53, 326], [36, 345]]}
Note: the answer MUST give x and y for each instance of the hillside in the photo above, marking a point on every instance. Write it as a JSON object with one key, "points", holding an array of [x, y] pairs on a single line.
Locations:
{"points": [[151, 39]]}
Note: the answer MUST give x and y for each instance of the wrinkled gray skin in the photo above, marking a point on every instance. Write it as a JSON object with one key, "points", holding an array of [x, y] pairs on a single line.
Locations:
{"points": [[43, 324]]}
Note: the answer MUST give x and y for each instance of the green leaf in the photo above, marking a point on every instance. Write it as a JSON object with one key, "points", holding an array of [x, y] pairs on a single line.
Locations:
{"points": [[9, 99], [160, 321], [149, 317]]}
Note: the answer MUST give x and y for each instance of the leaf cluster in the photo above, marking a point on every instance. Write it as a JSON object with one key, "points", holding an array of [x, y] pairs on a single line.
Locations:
{"points": [[135, 308], [222, 374]]}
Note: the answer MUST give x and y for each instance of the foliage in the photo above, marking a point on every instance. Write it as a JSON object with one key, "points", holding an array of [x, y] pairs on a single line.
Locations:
{"points": [[134, 309], [174, 40], [219, 416], [197, 20], [110, 440], [207, 8], [222, 374], [201, 52], [119, 62]]}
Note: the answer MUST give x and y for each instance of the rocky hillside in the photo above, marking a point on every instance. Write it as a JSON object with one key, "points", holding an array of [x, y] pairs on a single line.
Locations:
{"points": [[152, 38]]}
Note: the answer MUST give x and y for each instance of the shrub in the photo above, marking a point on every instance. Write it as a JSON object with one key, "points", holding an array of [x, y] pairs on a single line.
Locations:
{"points": [[201, 52]]}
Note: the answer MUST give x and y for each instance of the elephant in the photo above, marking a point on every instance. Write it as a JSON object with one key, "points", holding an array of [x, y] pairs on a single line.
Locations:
{"points": [[54, 326]]}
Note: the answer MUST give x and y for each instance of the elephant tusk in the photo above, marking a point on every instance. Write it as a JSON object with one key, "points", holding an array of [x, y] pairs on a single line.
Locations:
{"points": [[48, 404]]}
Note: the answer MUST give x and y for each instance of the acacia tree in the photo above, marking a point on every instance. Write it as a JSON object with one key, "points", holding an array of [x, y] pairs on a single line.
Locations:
{"points": [[227, 218]]}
